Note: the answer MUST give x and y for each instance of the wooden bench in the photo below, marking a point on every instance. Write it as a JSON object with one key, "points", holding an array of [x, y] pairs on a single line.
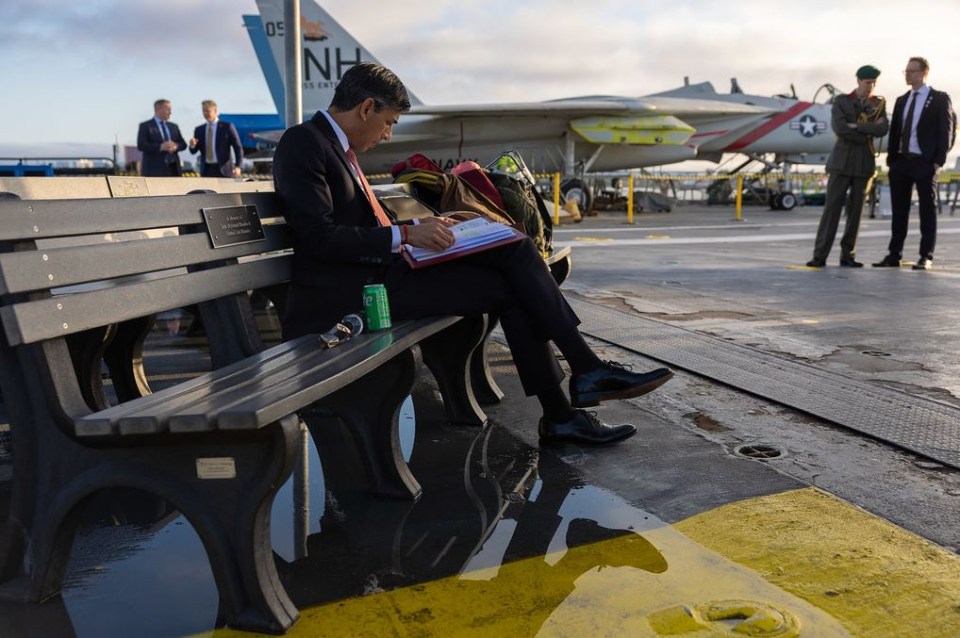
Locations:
{"points": [[79, 283]]}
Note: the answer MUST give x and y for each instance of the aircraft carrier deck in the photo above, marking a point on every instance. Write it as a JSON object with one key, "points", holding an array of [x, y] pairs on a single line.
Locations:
{"points": [[798, 477]]}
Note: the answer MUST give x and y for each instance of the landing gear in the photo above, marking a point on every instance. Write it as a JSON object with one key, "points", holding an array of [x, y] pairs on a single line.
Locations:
{"points": [[574, 188], [784, 201]]}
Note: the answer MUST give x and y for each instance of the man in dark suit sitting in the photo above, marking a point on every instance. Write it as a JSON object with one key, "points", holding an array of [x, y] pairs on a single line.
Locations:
{"points": [[214, 140], [921, 134], [159, 141], [343, 240]]}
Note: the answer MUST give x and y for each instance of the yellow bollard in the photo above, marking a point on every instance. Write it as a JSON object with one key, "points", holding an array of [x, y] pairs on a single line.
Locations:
{"points": [[739, 217], [556, 199], [630, 199]]}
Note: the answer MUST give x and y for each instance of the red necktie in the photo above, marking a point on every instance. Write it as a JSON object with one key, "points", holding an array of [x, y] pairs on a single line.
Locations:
{"points": [[377, 209]]}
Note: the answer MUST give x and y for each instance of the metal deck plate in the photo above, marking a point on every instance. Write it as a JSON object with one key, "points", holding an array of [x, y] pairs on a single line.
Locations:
{"points": [[917, 424]]}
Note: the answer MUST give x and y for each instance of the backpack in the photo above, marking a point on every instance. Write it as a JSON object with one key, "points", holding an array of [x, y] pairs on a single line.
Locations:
{"points": [[520, 205], [510, 164]]}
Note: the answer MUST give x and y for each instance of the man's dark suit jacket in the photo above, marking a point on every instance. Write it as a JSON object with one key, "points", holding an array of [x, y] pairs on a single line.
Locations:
{"points": [[156, 163], [224, 139], [338, 245], [934, 128]]}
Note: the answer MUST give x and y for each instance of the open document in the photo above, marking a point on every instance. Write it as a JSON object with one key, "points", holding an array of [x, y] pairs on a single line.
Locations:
{"points": [[472, 236]]}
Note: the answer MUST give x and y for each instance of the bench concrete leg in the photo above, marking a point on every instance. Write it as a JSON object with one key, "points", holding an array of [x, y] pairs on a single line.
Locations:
{"points": [[231, 516], [124, 358], [234, 525], [370, 407], [86, 352], [449, 355], [485, 388]]}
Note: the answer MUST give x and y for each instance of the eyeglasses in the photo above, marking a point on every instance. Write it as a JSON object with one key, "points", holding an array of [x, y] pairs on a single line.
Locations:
{"points": [[906, 71]]}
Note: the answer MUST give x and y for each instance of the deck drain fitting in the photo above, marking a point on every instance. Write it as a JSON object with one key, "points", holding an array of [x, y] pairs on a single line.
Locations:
{"points": [[759, 451]]}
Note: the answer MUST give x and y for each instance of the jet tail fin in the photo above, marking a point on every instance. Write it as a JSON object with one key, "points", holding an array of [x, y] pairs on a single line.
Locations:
{"points": [[328, 51], [268, 64]]}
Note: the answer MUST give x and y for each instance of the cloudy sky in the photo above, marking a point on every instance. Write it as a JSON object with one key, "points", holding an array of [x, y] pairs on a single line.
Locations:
{"points": [[78, 76]]}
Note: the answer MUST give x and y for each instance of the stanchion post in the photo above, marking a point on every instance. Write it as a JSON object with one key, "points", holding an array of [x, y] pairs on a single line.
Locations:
{"points": [[630, 199], [739, 217], [556, 199]]}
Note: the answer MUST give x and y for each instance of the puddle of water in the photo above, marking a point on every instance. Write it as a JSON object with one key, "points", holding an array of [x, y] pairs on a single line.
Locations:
{"points": [[504, 540]]}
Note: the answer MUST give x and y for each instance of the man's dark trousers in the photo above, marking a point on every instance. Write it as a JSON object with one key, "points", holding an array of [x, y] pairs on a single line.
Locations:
{"points": [[905, 173], [837, 188]]}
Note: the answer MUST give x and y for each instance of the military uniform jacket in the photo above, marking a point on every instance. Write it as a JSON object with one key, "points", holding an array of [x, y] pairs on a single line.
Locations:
{"points": [[852, 154]]}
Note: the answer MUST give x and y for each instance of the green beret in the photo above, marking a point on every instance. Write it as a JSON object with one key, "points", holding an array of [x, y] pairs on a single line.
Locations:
{"points": [[868, 72]]}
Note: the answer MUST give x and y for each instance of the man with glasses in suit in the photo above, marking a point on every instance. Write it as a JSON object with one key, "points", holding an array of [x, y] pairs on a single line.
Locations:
{"points": [[921, 135]]}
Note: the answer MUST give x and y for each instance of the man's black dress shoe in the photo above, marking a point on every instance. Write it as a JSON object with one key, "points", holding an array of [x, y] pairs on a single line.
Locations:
{"points": [[923, 264], [850, 263], [583, 428], [613, 381], [816, 263], [888, 262]]}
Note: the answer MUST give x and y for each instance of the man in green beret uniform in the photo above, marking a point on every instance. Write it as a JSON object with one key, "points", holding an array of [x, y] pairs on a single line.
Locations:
{"points": [[856, 118]]}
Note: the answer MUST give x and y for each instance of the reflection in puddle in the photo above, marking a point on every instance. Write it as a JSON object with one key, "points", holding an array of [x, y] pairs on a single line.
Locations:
{"points": [[505, 540]]}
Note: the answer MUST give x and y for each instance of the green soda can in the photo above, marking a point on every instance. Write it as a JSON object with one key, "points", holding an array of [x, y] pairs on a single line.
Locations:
{"points": [[376, 307]]}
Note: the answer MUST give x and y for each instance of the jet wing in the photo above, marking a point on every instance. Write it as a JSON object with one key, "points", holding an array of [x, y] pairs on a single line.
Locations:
{"points": [[592, 107], [685, 107], [558, 108]]}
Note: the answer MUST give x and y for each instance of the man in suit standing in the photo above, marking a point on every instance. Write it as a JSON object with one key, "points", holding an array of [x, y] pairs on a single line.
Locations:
{"points": [[856, 119], [921, 134], [214, 140], [160, 142], [343, 240]]}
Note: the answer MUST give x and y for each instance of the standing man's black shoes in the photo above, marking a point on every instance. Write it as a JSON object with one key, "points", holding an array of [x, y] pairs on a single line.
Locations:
{"points": [[923, 264], [850, 263], [888, 262], [613, 381], [816, 263], [585, 429]]}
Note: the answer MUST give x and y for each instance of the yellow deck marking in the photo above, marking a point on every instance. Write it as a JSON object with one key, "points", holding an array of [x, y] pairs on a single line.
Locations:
{"points": [[800, 563], [593, 238], [878, 579]]}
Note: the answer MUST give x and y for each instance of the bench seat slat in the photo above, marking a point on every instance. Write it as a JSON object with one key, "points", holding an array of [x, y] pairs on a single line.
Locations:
{"points": [[58, 267], [313, 380], [246, 379], [105, 422], [284, 378], [327, 375], [62, 315]]}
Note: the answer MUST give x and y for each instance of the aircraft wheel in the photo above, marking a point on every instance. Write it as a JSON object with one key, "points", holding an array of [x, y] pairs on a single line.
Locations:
{"points": [[775, 201], [786, 201], [574, 188]]}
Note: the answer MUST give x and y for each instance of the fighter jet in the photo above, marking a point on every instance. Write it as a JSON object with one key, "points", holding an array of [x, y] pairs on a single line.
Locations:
{"points": [[574, 135]]}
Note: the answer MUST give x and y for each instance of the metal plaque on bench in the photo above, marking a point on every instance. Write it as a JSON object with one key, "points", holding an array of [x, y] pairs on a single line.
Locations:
{"points": [[230, 225]]}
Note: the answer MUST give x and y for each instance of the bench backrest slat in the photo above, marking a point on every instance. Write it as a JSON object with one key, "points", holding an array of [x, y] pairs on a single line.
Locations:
{"points": [[41, 219], [44, 269], [61, 315]]}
